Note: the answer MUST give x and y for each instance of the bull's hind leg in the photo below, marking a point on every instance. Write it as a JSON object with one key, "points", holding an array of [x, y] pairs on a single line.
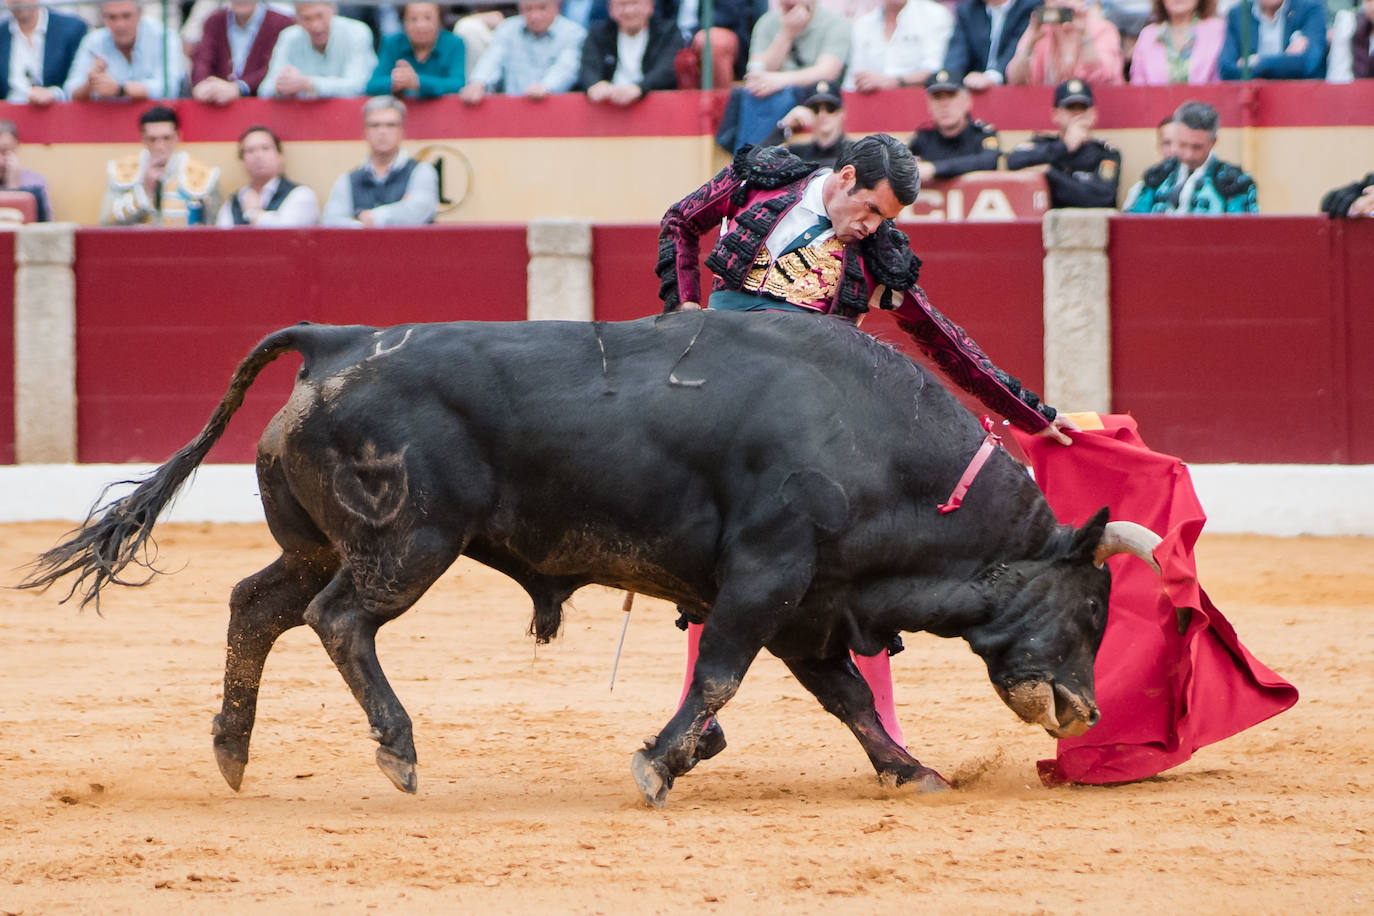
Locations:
{"points": [[845, 695], [261, 608], [374, 585]]}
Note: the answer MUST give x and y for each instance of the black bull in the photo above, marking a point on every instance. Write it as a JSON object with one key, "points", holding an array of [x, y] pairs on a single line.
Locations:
{"points": [[776, 475]]}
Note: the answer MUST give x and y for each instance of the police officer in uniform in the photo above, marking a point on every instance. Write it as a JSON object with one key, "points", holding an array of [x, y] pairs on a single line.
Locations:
{"points": [[1082, 171], [952, 143], [823, 115]]}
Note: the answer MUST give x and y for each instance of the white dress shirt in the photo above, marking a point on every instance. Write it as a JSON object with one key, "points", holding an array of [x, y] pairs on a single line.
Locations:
{"points": [[300, 208], [26, 59], [629, 58], [342, 70], [918, 43], [801, 217]]}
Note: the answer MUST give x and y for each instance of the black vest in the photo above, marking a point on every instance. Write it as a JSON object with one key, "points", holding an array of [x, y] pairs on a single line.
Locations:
{"points": [[284, 187], [369, 193]]}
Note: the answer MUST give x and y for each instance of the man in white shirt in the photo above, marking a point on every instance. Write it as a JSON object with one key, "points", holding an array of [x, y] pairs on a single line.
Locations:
{"points": [[323, 55], [898, 45], [389, 188], [270, 199], [37, 49], [628, 55], [130, 57]]}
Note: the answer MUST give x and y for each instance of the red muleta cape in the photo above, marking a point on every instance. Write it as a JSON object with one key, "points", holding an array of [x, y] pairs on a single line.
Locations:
{"points": [[1163, 694]]}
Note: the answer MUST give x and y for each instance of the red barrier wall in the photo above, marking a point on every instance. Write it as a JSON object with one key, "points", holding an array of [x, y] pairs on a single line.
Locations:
{"points": [[1234, 339], [7, 350], [164, 316], [1282, 103], [1239, 339]]}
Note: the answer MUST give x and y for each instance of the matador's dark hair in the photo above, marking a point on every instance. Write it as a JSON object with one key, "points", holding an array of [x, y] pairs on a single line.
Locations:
{"points": [[883, 156]]}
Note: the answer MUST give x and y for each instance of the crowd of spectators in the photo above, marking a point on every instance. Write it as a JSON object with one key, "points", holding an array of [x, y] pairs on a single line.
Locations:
{"points": [[790, 63]]}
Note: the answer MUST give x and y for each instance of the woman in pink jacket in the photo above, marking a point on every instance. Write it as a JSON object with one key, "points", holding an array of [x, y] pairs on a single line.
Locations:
{"points": [[1181, 45], [1067, 39]]}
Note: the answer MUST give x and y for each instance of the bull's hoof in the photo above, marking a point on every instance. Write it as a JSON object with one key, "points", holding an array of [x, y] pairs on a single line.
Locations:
{"points": [[653, 782], [230, 755], [401, 772], [230, 765], [924, 780]]}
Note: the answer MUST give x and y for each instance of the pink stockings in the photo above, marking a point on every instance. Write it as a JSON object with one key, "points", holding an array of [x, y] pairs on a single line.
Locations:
{"points": [[876, 670]]}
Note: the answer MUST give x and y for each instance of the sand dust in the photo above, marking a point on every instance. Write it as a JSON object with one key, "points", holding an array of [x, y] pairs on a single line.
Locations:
{"points": [[110, 801]]}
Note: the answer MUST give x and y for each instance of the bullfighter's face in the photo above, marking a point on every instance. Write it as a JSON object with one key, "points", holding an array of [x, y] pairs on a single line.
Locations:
{"points": [[857, 212]]}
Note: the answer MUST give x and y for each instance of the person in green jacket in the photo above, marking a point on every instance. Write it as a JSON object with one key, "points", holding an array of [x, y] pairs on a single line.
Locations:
{"points": [[423, 61]]}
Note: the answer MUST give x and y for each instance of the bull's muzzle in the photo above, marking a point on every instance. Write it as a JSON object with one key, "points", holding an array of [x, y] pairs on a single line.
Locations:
{"points": [[1052, 706]]}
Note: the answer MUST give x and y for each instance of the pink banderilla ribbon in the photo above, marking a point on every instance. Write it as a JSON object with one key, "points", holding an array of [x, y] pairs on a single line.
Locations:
{"points": [[990, 442]]}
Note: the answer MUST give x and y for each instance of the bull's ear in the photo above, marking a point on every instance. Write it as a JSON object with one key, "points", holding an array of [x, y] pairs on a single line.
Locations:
{"points": [[1086, 539]]}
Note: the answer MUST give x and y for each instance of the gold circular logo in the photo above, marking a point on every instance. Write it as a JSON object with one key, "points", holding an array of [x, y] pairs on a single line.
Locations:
{"points": [[455, 174]]}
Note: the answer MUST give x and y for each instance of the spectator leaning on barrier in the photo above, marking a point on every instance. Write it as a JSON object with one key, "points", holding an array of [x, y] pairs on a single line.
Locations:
{"points": [[423, 60], [794, 46], [1067, 39], [985, 36], [37, 48], [126, 58], [389, 188], [952, 143], [1275, 40], [14, 177], [234, 50], [1362, 43], [630, 54], [823, 115], [1082, 171], [1352, 200], [1195, 180], [270, 199], [534, 54], [1182, 44], [898, 44], [160, 185], [732, 24], [322, 55]]}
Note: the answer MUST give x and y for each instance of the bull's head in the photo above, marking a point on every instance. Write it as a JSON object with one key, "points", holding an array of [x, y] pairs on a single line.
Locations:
{"points": [[1046, 623]]}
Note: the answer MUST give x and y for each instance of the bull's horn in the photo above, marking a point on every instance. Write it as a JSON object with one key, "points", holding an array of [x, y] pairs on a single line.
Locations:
{"points": [[1127, 537]]}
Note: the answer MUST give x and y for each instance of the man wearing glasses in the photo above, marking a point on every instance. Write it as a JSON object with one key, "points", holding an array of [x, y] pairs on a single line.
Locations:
{"points": [[389, 188]]}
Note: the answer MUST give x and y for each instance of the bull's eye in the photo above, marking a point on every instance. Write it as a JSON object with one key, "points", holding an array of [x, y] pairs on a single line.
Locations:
{"points": [[1095, 612]]}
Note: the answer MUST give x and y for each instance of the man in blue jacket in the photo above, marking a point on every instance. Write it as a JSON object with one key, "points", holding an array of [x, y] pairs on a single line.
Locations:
{"points": [[37, 47], [984, 39], [1275, 40]]}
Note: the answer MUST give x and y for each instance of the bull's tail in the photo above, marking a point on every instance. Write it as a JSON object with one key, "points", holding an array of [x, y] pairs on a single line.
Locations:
{"points": [[116, 534]]}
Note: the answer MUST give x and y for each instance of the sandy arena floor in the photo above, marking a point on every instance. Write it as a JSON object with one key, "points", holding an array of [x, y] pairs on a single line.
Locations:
{"points": [[110, 801]]}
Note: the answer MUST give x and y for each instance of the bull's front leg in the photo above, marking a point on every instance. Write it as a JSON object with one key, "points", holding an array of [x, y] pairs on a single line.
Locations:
{"points": [[845, 695]]}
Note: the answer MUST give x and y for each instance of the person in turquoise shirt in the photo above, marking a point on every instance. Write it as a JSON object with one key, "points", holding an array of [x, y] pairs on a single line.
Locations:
{"points": [[423, 61]]}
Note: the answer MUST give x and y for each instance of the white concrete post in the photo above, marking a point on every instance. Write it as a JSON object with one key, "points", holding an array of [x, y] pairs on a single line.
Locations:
{"points": [[1078, 331], [560, 269], [45, 343]]}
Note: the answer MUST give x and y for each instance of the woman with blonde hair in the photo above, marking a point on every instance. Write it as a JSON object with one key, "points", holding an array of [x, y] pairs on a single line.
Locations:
{"points": [[1182, 44]]}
